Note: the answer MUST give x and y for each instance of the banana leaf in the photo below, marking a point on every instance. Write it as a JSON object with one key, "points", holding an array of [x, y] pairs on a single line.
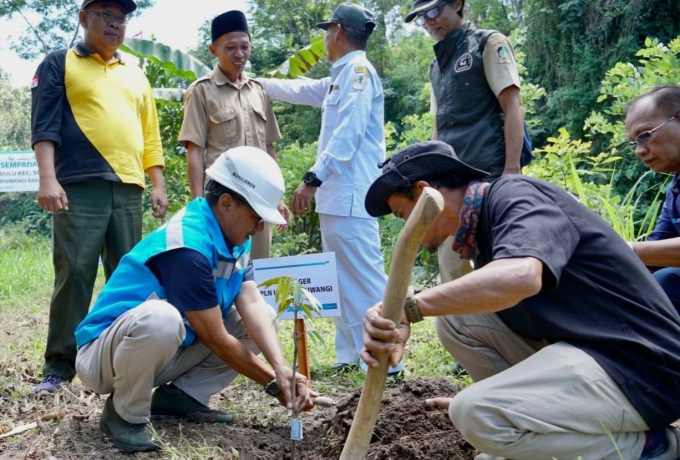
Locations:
{"points": [[177, 63], [303, 60]]}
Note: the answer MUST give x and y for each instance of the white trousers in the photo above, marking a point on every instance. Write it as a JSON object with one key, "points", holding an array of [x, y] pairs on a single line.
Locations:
{"points": [[531, 400], [140, 351], [361, 278]]}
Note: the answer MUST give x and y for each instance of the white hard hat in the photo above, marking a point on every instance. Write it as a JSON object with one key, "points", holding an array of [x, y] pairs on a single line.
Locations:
{"points": [[253, 174]]}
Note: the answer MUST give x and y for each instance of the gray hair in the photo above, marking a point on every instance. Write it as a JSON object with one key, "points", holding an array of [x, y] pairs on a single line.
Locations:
{"points": [[664, 97]]}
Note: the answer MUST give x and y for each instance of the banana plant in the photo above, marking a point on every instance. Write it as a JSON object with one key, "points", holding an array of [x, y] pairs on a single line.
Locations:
{"points": [[303, 60], [177, 63]]}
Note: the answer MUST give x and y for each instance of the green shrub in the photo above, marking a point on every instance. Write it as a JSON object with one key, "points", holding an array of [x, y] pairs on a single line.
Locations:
{"points": [[304, 234]]}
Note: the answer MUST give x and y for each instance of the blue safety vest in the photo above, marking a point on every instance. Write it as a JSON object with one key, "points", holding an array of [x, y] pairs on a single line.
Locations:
{"points": [[132, 283]]}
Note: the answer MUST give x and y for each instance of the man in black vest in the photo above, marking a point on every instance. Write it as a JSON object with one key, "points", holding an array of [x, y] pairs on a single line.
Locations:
{"points": [[475, 100]]}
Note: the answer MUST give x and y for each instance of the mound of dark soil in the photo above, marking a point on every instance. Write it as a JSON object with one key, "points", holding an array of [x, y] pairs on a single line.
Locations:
{"points": [[407, 428]]}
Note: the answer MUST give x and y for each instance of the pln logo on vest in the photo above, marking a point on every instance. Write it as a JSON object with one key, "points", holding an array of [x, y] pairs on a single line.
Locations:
{"points": [[463, 63]]}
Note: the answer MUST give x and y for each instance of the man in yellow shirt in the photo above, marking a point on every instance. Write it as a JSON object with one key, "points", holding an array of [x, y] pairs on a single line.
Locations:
{"points": [[95, 133]]}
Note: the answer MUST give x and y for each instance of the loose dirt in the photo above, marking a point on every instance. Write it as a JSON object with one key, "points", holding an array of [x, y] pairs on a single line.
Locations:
{"points": [[407, 428]]}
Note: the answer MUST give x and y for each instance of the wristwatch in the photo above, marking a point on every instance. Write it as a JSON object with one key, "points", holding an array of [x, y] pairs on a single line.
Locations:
{"points": [[272, 388], [310, 179]]}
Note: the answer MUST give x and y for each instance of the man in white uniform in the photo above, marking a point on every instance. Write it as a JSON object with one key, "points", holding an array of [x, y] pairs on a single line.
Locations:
{"points": [[351, 144]]}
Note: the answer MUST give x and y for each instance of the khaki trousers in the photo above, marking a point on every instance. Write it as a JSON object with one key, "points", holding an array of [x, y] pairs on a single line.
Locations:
{"points": [[531, 400], [261, 243], [140, 351], [451, 266]]}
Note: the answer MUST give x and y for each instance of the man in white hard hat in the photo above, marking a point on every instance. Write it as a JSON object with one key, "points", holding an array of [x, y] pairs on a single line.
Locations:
{"points": [[182, 311]]}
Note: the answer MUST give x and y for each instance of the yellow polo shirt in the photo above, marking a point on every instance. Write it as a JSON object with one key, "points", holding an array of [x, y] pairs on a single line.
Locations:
{"points": [[102, 117]]}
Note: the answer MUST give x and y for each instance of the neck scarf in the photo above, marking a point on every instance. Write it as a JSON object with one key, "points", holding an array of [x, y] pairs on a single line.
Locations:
{"points": [[465, 242]]}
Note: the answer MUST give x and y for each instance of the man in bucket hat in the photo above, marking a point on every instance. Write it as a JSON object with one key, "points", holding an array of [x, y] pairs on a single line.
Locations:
{"points": [[475, 100], [183, 313], [573, 347], [351, 142]]}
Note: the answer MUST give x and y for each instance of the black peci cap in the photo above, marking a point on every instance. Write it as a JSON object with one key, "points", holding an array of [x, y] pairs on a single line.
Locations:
{"points": [[231, 21]]}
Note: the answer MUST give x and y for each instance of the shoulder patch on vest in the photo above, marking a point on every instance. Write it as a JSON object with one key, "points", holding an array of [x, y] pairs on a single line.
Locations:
{"points": [[35, 81], [362, 70], [503, 54], [463, 63], [496, 39]]}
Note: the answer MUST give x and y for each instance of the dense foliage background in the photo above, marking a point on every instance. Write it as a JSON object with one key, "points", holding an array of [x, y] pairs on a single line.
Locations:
{"points": [[580, 60]]}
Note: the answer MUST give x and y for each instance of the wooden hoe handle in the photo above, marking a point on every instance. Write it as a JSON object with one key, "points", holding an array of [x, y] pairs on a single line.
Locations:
{"points": [[427, 209]]}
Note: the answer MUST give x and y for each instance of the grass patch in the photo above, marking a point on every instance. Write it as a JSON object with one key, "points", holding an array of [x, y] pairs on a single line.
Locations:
{"points": [[26, 272], [26, 280]]}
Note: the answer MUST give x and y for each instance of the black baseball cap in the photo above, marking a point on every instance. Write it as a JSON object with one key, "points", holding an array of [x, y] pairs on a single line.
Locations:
{"points": [[411, 164], [351, 15], [420, 6], [128, 5]]}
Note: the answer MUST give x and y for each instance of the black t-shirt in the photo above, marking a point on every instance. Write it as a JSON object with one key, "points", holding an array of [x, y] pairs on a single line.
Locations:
{"points": [[596, 295], [187, 278]]}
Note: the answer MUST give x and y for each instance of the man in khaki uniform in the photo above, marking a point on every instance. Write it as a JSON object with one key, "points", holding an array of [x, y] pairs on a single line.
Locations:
{"points": [[226, 109]]}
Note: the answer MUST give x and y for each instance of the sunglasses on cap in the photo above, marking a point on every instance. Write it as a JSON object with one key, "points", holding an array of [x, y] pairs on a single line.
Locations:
{"points": [[429, 14]]}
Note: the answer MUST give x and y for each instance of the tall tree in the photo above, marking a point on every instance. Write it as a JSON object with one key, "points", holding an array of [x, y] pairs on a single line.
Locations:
{"points": [[570, 44], [50, 24], [15, 115], [280, 28], [502, 15]]}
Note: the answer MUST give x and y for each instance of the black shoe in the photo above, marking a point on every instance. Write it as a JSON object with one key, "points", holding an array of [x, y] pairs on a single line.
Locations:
{"points": [[126, 436], [458, 371], [395, 377], [170, 400], [344, 368]]}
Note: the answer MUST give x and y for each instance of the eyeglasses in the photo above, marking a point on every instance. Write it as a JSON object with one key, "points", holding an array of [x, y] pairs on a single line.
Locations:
{"points": [[429, 14], [259, 221], [256, 217], [646, 136], [109, 17]]}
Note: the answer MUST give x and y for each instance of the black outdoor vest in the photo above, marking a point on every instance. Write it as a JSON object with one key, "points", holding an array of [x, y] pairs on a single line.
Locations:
{"points": [[469, 116]]}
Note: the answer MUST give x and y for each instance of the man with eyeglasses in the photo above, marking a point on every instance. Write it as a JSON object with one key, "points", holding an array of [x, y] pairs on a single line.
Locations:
{"points": [[95, 134], [227, 109], [183, 313], [653, 127], [475, 101]]}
